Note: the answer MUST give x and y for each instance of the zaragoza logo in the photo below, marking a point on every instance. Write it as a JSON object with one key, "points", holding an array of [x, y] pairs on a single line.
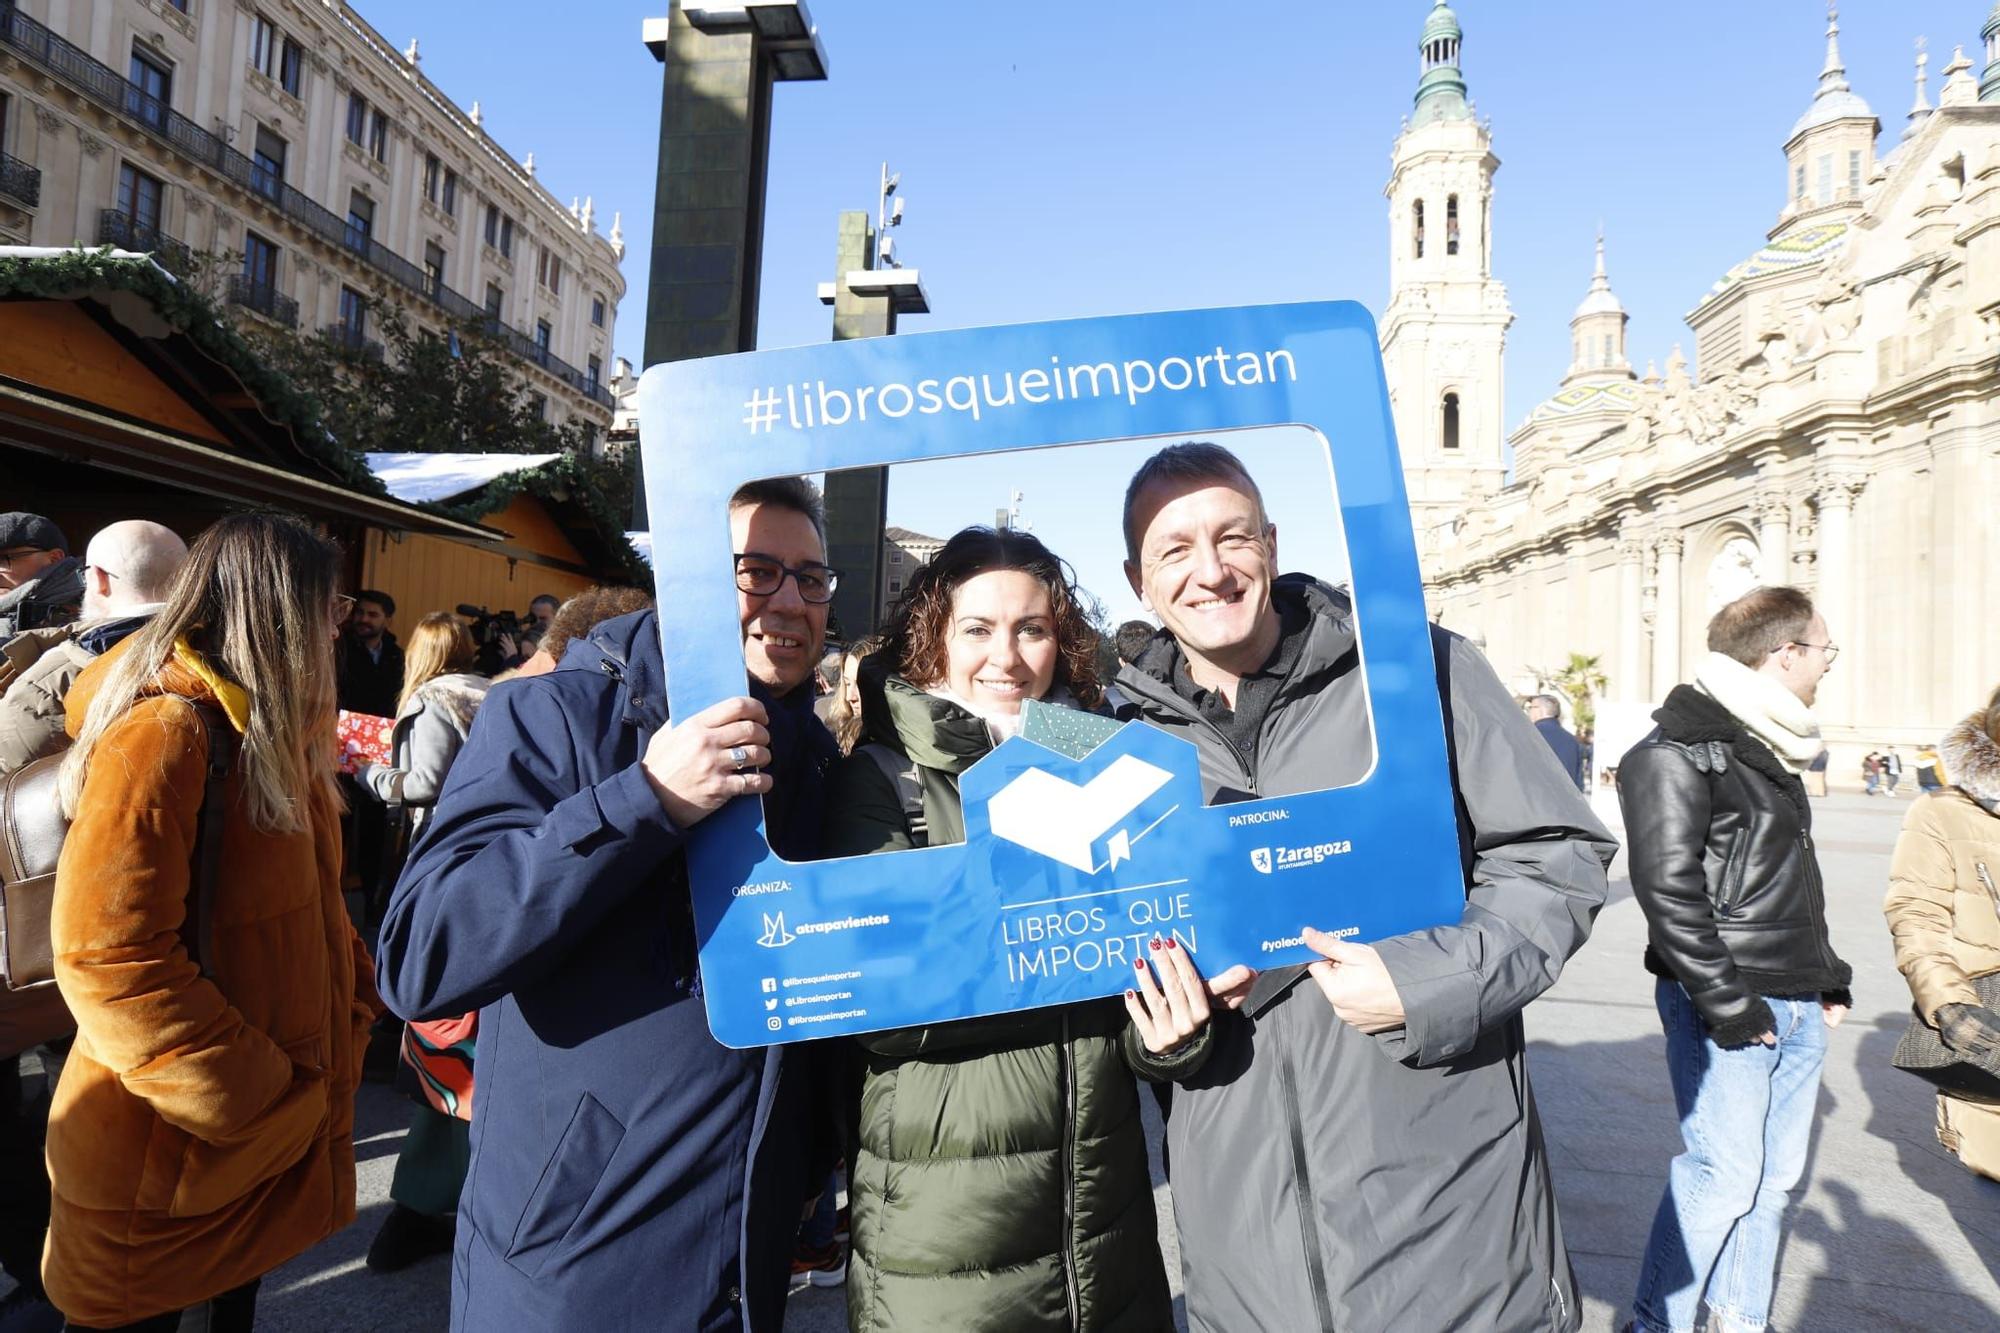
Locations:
{"points": [[1063, 821], [1261, 858]]}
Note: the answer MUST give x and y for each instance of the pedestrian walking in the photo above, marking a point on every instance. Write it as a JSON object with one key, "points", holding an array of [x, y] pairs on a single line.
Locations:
{"points": [[1356, 1146], [628, 1170], [1943, 908], [1025, 1201], [440, 698], [1871, 773], [202, 1132], [1892, 769], [1720, 844], [1930, 769], [1546, 713]]}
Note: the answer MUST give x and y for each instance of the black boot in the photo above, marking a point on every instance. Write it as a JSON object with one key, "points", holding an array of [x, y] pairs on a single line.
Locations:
{"points": [[407, 1236]]}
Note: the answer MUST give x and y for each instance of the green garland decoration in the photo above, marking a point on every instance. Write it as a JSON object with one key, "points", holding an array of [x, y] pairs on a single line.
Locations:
{"points": [[195, 316]]}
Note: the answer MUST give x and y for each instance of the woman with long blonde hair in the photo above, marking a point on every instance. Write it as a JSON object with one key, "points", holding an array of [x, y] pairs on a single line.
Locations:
{"points": [[202, 1131], [433, 717], [843, 719]]}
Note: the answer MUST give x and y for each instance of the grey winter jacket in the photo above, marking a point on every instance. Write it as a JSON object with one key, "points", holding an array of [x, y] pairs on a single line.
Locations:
{"points": [[1327, 1179], [431, 726], [37, 667]]}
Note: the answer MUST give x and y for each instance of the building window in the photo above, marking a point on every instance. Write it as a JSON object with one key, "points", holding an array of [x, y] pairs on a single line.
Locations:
{"points": [[895, 586], [895, 556], [506, 237], [353, 315], [357, 119], [1449, 434], [1854, 173], [539, 402], [142, 199], [1607, 349], [593, 372], [493, 225], [548, 272], [1799, 183], [1417, 227], [152, 94], [1451, 225], [378, 135], [181, 5], [360, 221], [260, 262], [263, 46], [597, 312], [543, 335], [291, 67], [495, 300], [450, 201], [433, 268], [267, 164], [433, 170], [1826, 178]]}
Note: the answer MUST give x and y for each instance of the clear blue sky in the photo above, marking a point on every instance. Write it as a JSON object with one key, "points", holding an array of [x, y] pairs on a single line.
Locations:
{"points": [[1066, 159]]}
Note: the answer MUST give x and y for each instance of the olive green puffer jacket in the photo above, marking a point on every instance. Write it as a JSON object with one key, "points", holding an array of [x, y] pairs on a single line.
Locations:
{"points": [[1001, 1182]]}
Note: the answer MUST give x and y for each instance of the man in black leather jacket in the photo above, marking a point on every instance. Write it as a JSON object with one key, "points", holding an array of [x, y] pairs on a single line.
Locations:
{"points": [[1722, 863]]}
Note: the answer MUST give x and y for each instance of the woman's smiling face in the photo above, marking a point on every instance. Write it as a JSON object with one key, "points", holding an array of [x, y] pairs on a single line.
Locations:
{"points": [[1002, 646]]}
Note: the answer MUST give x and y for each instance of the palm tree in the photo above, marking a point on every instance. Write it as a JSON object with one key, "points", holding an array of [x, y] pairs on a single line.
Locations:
{"points": [[1580, 681]]}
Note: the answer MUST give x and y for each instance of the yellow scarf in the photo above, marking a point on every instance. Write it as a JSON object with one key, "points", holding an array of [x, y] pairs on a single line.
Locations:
{"points": [[235, 703]]}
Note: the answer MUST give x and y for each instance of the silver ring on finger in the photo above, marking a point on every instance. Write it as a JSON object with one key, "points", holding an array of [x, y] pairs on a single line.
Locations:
{"points": [[739, 757], [742, 783]]}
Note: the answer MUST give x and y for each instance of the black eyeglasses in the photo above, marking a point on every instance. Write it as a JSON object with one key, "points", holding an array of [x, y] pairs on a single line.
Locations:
{"points": [[761, 575]]}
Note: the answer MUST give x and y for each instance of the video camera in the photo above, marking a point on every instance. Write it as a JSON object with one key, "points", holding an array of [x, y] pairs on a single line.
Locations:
{"points": [[487, 629]]}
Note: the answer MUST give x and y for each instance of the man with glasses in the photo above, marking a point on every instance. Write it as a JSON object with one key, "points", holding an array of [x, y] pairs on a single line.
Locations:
{"points": [[41, 584], [628, 1171], [1722, 862], [128, 567]]}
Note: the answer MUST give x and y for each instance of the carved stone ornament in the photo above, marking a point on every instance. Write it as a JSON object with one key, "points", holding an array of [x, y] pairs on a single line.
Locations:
{"points": [[1733, 572], [92, 145], [194, 203], [1669, 543], [47, 119], [1838, 490]]}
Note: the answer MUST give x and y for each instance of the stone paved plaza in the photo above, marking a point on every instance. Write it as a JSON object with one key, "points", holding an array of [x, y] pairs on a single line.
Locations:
{"points": [[1890, 1233]]}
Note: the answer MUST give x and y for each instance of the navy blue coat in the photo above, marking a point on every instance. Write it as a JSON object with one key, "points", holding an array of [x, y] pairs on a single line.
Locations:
{"points": [[1569, 752], [628, 1171]]}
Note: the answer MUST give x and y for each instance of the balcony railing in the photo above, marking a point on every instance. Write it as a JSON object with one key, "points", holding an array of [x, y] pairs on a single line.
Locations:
{"points": [[265, 299], [108, 89], [19, 181], [119, 228], [352, 340]]}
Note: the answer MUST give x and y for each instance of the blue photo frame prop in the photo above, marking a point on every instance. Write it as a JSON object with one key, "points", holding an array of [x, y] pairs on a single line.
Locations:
{"points": [[1010, 920]]}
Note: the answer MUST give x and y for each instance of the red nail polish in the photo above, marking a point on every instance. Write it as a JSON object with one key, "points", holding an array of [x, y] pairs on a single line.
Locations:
{"points": [[1139, 964], [1170, 943], [1131, 994]]}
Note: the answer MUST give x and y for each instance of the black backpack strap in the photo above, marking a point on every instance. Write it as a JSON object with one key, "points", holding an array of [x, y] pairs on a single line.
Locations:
{"points": [[222, 749], [902, 775]]}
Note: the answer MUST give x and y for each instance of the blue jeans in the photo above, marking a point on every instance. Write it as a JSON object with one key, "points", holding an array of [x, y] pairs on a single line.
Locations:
{"points": [[1746, 1119]]}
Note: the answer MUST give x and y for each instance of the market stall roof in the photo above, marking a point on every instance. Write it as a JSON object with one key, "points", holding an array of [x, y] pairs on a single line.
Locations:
{"points": [[433, 477], [107, 360]]}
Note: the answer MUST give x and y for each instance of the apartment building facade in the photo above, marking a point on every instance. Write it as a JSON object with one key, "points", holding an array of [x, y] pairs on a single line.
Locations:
{"points": [[291, 138]]}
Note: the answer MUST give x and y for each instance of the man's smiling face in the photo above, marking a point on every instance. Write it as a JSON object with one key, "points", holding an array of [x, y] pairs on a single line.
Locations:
{"points": [[783, 634], [1207, 556]]}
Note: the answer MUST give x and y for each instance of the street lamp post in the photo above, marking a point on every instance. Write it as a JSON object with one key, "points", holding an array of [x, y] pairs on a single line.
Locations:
{"points": [[869, 290]]}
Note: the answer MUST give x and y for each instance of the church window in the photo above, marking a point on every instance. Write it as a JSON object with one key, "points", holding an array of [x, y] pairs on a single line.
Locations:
{"points": [[1449, 434], [1825, 195], [1854, 173], [1607, 349], [1451, 225], [1799, 183], [1417, 226]]}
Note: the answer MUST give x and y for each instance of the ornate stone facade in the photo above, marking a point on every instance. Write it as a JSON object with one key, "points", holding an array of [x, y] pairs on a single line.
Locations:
{"points": [[257, 126], [1840, 430]]}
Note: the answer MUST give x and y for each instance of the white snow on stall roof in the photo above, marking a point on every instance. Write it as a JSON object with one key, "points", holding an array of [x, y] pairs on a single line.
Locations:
{"points": [[416, 478]]}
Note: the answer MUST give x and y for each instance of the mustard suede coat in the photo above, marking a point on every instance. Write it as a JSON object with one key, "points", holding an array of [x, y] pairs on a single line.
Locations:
{"points": [[202, 1132]]}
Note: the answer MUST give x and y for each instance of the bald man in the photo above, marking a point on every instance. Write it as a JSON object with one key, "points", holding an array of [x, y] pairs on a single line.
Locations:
{"points": [[126, 572]]}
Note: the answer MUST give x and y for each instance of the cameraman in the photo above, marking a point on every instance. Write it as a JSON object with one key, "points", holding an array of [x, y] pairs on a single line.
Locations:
{"points": [[369, 661], [498, 636]]}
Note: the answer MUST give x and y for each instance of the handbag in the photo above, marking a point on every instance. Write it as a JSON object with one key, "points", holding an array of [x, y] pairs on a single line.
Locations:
{"points": [[32, 830], [1922, 1051]]}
